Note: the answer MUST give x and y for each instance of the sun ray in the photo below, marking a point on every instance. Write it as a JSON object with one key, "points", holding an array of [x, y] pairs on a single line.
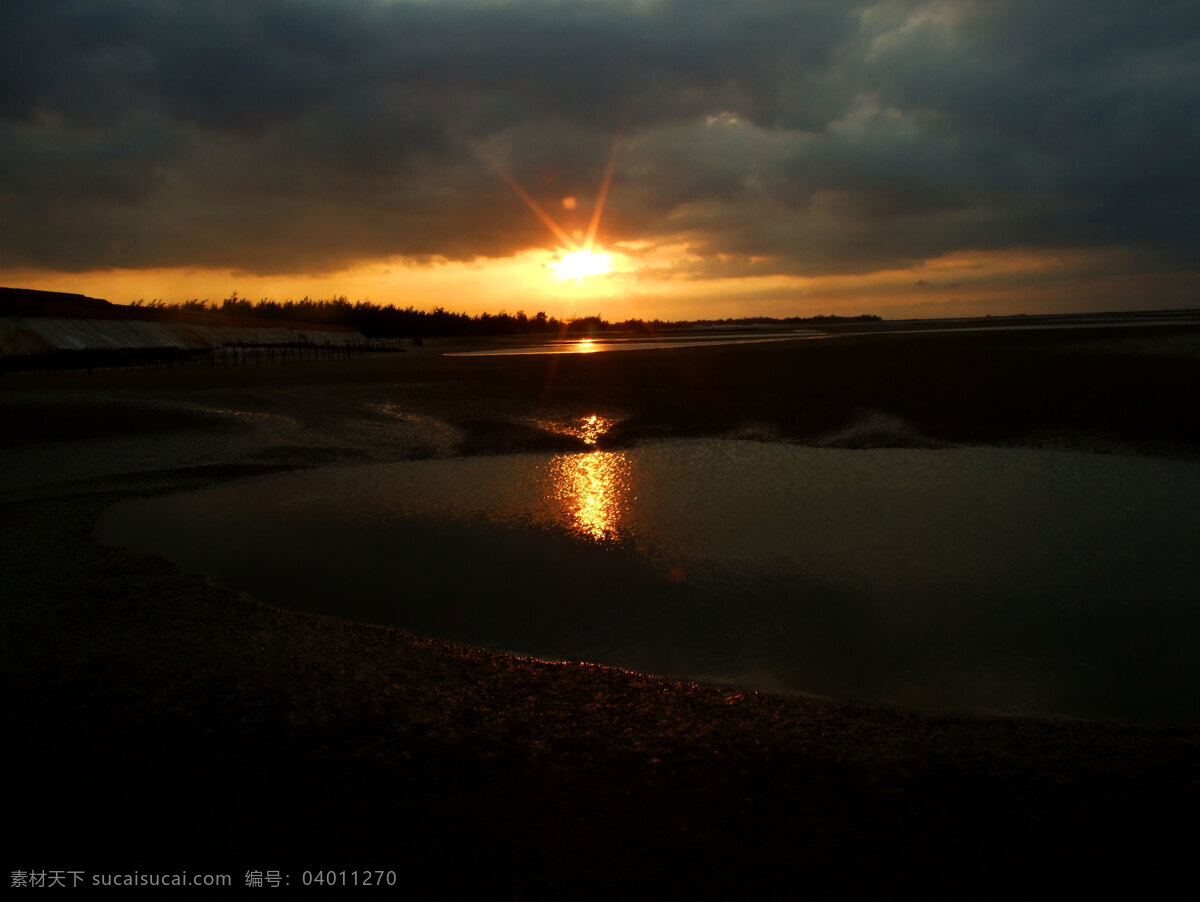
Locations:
{"points": [[537, 209], [605, 184], [573, 260]]}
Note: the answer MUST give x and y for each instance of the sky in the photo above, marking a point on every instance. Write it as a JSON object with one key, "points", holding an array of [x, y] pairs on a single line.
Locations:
{"points": [[902, 158]]}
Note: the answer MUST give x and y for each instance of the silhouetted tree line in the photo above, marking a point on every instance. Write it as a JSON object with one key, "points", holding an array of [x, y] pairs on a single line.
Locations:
{"points": [[386, 321], [373, 320]]}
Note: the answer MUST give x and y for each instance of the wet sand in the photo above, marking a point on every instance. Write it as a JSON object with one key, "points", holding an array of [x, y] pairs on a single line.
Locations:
{"points": [[160, 722]]}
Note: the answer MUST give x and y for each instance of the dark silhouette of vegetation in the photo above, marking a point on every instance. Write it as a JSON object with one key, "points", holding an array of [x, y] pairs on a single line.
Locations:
{"points": [[386, 321]]}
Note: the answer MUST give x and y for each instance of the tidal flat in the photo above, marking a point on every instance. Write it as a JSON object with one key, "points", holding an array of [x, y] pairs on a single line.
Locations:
{"points": [[166, 722]]}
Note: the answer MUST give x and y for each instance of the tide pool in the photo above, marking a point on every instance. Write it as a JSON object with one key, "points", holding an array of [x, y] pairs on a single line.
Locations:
{"points": [[959, 579]]}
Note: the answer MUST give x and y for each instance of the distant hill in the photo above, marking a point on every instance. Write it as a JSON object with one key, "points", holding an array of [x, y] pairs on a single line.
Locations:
{"points": [[31, 302]]}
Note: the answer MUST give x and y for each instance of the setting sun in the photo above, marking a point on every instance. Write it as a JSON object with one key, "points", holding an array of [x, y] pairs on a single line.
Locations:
{"points": [[580, 264]]}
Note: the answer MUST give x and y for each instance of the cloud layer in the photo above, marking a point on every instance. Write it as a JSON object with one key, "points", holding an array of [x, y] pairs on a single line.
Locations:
{"points": [[812, 138]]}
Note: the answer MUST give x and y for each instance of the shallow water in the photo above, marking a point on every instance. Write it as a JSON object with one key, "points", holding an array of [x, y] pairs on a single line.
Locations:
{"points": [[973, 579], [599, 345]]}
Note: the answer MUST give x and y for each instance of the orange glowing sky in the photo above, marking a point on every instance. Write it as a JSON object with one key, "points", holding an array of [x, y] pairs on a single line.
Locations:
{"points": [[919, 158], [640, 285]]}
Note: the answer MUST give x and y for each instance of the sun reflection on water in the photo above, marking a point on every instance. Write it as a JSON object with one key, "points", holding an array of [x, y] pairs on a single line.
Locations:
{"points": [[586, 429], [592, 488], [591, 428]]}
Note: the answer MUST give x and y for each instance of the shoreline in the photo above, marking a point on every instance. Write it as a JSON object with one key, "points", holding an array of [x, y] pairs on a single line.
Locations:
{"points": [[166, 721]]}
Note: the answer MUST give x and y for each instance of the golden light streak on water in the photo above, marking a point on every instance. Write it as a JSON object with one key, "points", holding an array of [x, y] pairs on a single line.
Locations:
{"points": [[593, 491], [588, 429], [591, 428]]}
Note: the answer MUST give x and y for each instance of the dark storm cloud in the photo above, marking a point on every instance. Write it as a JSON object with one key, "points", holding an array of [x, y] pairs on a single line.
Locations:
{"points": [[285, 135]]}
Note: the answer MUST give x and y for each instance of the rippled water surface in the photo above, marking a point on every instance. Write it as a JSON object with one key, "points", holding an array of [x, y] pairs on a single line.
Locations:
{"points": [[951, 579], [600, 345]]}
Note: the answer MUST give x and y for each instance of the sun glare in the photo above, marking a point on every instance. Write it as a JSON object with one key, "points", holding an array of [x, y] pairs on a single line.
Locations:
{"points": [[579, 265], [576, 259]]}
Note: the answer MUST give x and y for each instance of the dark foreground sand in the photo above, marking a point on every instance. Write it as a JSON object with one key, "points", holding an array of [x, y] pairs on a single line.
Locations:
{"points": [[157, 722]]}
